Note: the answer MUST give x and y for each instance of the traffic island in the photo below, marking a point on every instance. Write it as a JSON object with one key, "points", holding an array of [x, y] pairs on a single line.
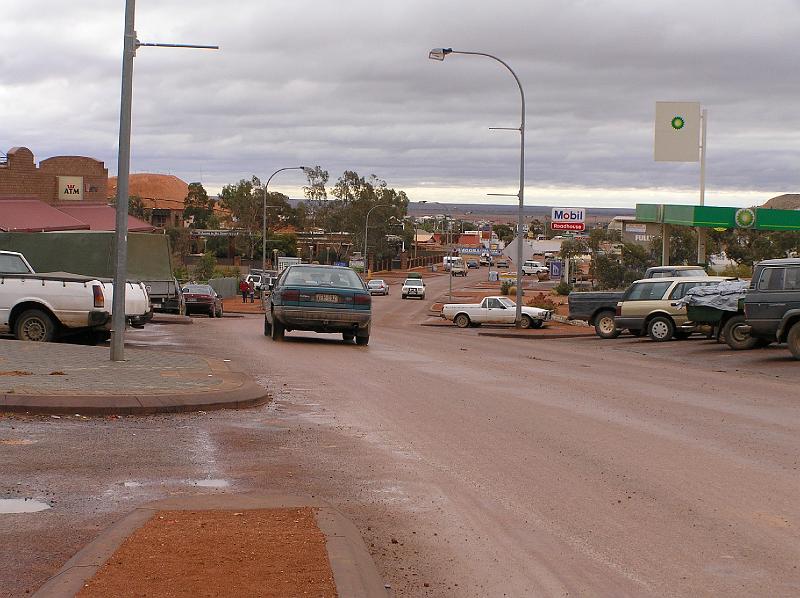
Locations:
{"points": [[223, 545], [52, 378]]}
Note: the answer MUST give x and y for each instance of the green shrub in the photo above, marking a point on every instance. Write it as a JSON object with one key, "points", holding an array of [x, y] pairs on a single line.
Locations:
{"points": [[505, 286], [227, 272], [562, 288], [738, 271]]}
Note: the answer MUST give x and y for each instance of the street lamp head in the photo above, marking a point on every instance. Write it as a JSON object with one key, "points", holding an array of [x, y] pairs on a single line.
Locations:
{"points": [[439, 53]]}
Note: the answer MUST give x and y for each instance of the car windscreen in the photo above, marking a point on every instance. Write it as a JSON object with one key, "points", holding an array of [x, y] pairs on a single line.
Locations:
{"points": [[690, 272], [375, 283], [413, 282], [310, 276], [508, 303], [198, 289]]}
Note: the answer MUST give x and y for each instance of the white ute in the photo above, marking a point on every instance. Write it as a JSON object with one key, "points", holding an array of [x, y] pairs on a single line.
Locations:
{"points": [[41, 307], [494, 310]]}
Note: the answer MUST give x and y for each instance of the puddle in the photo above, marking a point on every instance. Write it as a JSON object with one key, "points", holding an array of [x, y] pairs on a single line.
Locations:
{"points": [[213, 483], [22, 505]]}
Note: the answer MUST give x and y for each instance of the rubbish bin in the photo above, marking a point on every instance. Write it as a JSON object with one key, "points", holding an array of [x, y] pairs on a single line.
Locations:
{"points": [[494, 276]]}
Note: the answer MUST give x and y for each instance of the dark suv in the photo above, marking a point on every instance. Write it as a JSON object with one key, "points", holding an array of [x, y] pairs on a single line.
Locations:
{"points": [[772, 304]]}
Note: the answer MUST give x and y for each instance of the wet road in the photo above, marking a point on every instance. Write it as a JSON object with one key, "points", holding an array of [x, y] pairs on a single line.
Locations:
{"points": [[473, 466]]}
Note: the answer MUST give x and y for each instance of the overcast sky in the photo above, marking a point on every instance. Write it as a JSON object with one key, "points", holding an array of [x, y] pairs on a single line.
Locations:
{"points": [[347, 84]]}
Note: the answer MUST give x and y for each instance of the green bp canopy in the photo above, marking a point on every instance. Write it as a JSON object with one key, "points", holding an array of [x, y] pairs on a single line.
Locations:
{"points": [[719, 216]]}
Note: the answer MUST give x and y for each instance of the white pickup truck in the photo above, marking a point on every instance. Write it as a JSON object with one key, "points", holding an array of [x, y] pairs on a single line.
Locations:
{"points": [[494, 310], [42, 307]]}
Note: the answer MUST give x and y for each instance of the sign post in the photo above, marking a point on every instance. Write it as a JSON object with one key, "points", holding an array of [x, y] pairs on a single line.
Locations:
{"points": [[569, 219]]}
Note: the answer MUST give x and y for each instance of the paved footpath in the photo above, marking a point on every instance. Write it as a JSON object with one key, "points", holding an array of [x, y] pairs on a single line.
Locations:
{"points": [[64, 378]]}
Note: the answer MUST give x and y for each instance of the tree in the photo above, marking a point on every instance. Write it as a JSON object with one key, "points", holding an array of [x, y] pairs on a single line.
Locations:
{"points": [[504, 232], [199, 208], [317, 179], [246, 211], [572, 248], [204, 269], [747, 246]]}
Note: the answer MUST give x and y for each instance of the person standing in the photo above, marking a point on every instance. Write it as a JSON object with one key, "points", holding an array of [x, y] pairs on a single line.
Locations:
{"points": [[251, 287], [244, 289]]}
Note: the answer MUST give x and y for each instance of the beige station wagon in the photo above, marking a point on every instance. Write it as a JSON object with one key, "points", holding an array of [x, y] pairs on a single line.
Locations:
{"points": [[647, 306]]}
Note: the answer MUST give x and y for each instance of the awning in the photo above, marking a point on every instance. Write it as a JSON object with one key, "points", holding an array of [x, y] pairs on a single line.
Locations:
{"points": [[32, 215]]}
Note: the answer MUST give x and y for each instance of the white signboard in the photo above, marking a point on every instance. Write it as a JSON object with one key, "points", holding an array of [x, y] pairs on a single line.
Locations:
{"points": [[568, 219], [635, 227], [677, 136], [70, 188]]}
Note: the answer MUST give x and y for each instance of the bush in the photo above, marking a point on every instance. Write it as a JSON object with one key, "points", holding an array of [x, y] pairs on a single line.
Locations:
{"points": [[227, 272], [562, 288], [181, 273], [204, 269], [541, 301], [738, 271], [505, 286]]}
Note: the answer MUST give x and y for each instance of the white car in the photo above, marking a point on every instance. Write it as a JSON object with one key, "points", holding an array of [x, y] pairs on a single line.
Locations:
{"points": [[494, 310], [413, 287], [531, 268]]}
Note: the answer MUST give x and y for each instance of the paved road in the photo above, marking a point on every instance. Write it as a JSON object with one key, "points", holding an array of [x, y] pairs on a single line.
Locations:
{"points": [[473, 466]]}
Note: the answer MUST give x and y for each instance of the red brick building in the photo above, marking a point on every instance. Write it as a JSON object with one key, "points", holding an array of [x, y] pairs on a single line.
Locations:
{"points": [[54, 180]]}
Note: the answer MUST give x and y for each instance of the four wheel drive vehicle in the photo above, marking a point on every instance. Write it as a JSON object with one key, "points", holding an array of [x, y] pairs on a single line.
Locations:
{"points": [[502, 263], [494, 310], [473, 263], [458, 267], [203, 299], [675, 271], [255, 279], [652, 305], [165, 296], [598, 308], [532, 268], [377, 286], [413, 287], [319, 299], [772, 303], [42, 307]]}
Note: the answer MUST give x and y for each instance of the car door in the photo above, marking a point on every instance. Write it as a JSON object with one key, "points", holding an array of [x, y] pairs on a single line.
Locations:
{"points": [[766, 307], [644, 298]]}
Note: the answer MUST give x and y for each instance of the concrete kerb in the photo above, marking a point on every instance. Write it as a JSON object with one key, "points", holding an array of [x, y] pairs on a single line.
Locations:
{"points": [[354, 571]]}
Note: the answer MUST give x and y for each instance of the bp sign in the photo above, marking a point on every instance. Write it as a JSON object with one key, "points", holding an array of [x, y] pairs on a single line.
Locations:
{"points": [[745, 218]]}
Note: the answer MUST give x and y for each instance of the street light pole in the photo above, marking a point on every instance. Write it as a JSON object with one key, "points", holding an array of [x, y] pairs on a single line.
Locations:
{"points": [[439, 54], [264, 216], [129, 47], [366, 230]]}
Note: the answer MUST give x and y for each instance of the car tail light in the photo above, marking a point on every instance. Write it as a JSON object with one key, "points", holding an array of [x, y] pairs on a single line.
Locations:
{"points": [[290, 295], [362, 300], [99, 298]]}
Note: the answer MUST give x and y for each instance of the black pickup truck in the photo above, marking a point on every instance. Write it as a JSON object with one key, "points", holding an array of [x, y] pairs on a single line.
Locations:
{"points": [[599, 307], [772, 303]]}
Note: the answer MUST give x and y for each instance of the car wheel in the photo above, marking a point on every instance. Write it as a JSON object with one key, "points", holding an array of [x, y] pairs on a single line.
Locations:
{"points": [[525, 322], [736, 338], [604, 325], [403, 297], [422, 297], [362, 341], [212, 313], [661, 329], [277, 331], [537, 324], [793, 340], [461, 320], [348, 337], [219, 313], [35, 325]]}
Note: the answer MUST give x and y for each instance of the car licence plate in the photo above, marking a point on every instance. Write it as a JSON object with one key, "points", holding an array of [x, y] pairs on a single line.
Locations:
{"points": [[324, 298]]}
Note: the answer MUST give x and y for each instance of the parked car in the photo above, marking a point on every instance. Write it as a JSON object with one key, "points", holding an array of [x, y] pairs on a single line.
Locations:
{"points": [[413, 287], [377, 286], [319, 298], [202, 298], [502, 263], [533, 268], [494, 310], [486, 260], [43, 307], [472, 264], [674, 271], [165, 296], [650, 305], [772, 303], [256, 279]]}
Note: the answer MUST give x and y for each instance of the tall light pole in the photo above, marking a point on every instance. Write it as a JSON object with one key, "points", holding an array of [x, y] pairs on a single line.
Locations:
{"points": [[264, 222], [366, 230], [439, 54], [129, 47]]}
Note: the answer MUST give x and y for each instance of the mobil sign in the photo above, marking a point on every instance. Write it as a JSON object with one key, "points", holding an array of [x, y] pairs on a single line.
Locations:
{"points": [[568, 219]]}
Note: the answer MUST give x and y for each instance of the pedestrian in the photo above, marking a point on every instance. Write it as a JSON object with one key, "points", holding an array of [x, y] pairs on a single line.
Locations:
{"points": [[244, 289], [252, 288]]}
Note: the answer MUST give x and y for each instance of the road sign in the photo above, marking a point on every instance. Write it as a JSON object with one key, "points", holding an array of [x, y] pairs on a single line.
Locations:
{"points": [[568, 219], [555, 269], [677, 132]]}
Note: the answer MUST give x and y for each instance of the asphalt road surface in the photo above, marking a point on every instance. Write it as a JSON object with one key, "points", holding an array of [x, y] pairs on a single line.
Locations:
{"points": [[473, 466]]}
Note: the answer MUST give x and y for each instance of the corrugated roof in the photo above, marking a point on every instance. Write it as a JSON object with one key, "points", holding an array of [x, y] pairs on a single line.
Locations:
{"points": [[104, 217], [32, 215]]}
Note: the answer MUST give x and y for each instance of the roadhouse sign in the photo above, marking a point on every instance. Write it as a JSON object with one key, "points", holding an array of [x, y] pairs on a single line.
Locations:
{"points": [[573, 219]]}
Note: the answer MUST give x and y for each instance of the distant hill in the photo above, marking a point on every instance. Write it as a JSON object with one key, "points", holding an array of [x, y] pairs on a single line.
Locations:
{"points": [[787, 201]]}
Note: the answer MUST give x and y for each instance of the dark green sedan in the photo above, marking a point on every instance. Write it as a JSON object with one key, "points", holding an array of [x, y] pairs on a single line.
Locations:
{"points": [[319, 299]]}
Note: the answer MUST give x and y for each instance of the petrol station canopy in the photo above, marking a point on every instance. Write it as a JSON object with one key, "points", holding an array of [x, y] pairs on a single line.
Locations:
{"points": [[719, 217]]}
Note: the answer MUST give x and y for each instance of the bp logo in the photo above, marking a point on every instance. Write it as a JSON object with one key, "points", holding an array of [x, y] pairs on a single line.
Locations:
{"points": [[677, 123], [745, 218]]}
